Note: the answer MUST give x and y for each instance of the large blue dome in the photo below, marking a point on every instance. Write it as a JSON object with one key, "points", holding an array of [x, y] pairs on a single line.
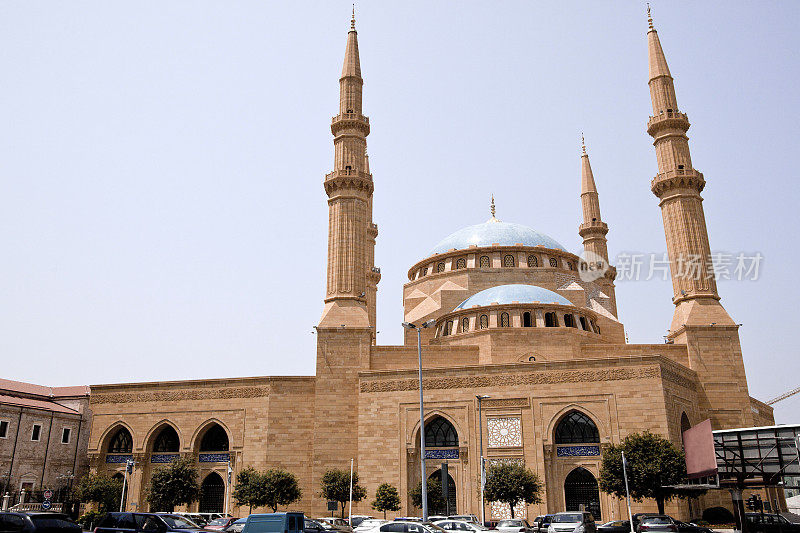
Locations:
{"points": [[506, 294], [494, 231]]}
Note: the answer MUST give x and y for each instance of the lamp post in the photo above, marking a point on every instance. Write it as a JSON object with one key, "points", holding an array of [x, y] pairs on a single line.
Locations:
{"points": [[409, 325], [481, 397]]}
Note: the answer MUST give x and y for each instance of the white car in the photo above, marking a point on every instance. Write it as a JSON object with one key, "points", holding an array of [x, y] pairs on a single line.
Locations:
{"points": [[369, 524], [403, 526], [460, 525], [576, 522], [514, 525]]}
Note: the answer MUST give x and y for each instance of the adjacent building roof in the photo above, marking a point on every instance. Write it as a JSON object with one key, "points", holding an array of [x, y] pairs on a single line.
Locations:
{"points": [[35, 404], [495, 232], [20, 387], [516, 293]]}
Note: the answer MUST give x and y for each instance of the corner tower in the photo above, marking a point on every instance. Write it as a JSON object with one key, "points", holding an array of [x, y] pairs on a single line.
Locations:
{"points": [[593, 230], [699, 321]]}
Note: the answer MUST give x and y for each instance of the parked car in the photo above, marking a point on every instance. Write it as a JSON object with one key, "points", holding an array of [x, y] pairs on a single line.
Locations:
{"points": [[577, 522], [338, 524], [236, 527], [465, 518], [684, 527], [274, 523], [37, 522], [356, 519], [515, 525], [544, 525], [317, 526], [460, 525], [220, 523], [407, 526], [615, 526], [770, 523], [369, 523], [656, 523], [436, 518], [149, 522]]}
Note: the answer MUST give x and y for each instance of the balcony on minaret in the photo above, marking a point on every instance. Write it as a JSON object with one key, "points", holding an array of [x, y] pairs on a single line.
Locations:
{"points": [[595, 226], [679, 178], [667, 119], [343, 121]]}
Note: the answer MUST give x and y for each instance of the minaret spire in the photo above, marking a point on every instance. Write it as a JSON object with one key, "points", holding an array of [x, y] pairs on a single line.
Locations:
{"points": [[352, 278]]}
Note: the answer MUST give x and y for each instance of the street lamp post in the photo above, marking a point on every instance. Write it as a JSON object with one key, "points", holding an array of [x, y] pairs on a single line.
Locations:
{"points": [[481, 397], [409, 325]]}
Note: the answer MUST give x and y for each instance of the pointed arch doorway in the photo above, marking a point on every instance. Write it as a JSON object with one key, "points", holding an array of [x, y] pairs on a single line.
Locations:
{"points": [[212, 494], [581, 492], [450, 508]]}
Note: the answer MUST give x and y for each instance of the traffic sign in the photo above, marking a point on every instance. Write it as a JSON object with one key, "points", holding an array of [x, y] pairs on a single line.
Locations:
{"points": [[46, 505], [48, 494]]}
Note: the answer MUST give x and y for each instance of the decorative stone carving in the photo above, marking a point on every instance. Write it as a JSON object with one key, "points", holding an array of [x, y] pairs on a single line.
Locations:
{"points": [[177, 395], [535, 378], [504, 432], [506, 402], [502, 511]]}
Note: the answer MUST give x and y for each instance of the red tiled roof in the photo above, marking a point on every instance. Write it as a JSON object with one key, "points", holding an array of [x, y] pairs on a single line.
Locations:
{"points": [[41, 390], [35, 404]]}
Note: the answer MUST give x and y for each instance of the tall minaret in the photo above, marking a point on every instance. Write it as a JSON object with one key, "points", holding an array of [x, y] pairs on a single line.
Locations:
{"points": [[351, 232], [593, 230], [699, 321]]}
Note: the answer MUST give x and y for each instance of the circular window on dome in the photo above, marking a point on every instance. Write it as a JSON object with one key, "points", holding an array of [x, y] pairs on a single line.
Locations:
{"points": [[484, 321], [533, 261], [504, 322], [508, 261], [553, 262], [464, 325], [484, 261], [440, 267], [461, 263]]}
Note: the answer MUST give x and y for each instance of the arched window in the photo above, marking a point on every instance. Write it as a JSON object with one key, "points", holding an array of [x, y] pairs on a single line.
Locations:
{"points": [[464, 325], [533, 261], [576, 427], [424, 272], [448, 327], [553, 262], [461, 263], [583, 324], [508, 261], [440, 267], [484, 263], [167, 441], [121, 442], [439, 433], [569, 266], [526, 320], [550, 320], [504, 320], [484, 321], [569, 321], [214, 440], [685, 424]]}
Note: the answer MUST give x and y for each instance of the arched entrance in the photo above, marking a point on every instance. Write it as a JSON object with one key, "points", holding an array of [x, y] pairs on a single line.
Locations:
{"points": [[450, 508], [581, 492], [119, 477], [212, 494]]}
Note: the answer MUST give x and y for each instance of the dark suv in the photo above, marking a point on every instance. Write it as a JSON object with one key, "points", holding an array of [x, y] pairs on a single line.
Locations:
{"points": [[149, 522], [37, 523], [770, 523]]}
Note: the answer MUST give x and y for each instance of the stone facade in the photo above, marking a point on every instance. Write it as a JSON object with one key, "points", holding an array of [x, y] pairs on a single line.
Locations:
{"points": [[550, 353]]}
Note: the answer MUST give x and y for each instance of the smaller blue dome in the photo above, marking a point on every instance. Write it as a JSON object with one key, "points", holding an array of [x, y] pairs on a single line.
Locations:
{"points": [[506, 294]]}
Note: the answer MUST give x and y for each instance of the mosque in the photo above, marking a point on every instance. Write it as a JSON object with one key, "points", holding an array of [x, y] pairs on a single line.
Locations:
{"points": [[524, 358]]}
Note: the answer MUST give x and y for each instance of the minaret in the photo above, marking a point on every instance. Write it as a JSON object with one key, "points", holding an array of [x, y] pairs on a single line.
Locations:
{"points": [[351, 233], [699, 321], [345, 333], [593, 230]]}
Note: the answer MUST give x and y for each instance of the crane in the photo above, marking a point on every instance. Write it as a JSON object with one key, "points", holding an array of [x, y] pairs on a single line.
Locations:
{"points": [[784, 396]]}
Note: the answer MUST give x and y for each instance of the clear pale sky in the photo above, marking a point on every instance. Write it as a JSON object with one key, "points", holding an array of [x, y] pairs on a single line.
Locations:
{"points": [[162, 214]]}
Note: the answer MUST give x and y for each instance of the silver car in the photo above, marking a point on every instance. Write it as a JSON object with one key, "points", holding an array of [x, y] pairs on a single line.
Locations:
{"points": [[575, 522], [515, 525], [460, 525]]}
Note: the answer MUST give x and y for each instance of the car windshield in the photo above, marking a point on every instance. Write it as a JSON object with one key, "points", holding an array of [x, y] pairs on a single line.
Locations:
{"points": [[51, 522], [567, 518], [369, 523], [509, 523], [433, 528], [179, 522], [218, 522], [656, 520]]}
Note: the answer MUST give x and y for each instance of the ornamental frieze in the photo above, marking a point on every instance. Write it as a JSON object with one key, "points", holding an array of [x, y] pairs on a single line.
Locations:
{"points": [[506, 402], [537, 378], [675, 377], [177, 395]]}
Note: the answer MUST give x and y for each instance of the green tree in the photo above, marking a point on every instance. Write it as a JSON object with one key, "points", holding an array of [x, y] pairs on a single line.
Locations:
{"points": [[249, 488], [280, 488], [653, 463], [336, 487], [174, 484], [103, 490], [436, 503], [386, 499], [512, 483]]}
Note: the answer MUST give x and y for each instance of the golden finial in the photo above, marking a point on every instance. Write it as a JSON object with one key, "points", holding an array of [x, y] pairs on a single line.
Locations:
{"points": [[492, 208], [353, 19], [649, 18], [583, 144]]}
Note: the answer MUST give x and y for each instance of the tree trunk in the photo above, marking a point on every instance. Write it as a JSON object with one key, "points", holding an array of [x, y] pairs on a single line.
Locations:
{"points": [[511, 506], [343, 504], [660, 503], [384, 514]]}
